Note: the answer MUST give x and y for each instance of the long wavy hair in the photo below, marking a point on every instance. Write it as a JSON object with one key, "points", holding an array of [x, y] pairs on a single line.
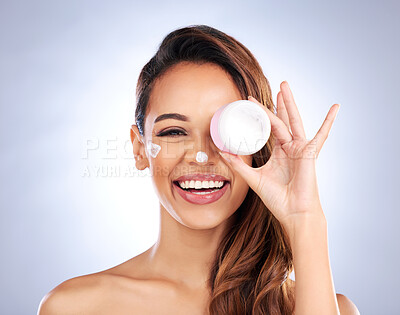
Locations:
{"points": [[250, 271]]}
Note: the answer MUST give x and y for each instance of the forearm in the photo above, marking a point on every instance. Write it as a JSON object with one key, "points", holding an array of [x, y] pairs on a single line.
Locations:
{"points": [[314, 288]]}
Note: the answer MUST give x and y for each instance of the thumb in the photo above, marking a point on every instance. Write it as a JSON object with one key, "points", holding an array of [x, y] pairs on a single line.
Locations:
{"points": [[247, 172]]}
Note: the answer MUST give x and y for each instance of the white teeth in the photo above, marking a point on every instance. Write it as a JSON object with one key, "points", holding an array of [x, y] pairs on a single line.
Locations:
{"points": [[198, 184], [201, 184]]}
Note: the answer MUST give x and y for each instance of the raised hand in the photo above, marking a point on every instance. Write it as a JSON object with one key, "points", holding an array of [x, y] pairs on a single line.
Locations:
{"points": [[287, 183]]}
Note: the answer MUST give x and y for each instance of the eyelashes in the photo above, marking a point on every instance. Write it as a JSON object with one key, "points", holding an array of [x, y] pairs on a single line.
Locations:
{"points": [[172, 133]]}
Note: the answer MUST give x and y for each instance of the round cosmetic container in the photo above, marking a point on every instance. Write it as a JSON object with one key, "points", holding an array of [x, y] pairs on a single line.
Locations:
{"points": [[241, 127]]}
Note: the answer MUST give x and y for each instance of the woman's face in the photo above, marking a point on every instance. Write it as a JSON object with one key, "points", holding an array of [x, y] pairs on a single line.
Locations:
{"points": [[195, 92]]}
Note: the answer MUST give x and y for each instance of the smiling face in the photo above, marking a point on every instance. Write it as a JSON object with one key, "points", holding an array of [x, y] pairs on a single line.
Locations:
{"points": [[192, 93]]}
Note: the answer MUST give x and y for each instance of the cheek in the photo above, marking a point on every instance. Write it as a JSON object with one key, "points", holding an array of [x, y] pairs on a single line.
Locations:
{"points": [[168, 154], [241, 186], [249, 160], [171, 149]]}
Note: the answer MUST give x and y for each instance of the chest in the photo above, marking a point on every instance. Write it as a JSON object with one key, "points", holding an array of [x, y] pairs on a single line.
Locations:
{"points": [[153, 301]]}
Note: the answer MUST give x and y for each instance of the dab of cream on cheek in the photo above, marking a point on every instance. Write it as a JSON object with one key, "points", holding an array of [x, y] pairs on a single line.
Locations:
{"points": [[153, 149]]}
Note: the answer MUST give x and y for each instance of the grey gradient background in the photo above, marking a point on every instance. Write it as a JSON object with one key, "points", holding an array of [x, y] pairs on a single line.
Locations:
{"points": [[67, 82]]}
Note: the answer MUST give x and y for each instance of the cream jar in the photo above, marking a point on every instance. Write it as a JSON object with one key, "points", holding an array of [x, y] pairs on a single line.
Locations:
{"points": [[241, 127]]}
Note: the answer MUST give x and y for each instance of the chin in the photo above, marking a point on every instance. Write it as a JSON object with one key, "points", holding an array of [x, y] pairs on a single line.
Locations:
{"points": [[203, 219], [203, 213]]}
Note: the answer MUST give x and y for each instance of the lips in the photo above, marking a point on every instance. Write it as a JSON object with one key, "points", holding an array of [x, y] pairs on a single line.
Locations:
{"points": [[193, 196], [201, 199]]}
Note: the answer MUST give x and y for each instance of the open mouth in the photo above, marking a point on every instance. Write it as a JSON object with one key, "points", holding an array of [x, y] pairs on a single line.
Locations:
{"points": [[201, 188]]}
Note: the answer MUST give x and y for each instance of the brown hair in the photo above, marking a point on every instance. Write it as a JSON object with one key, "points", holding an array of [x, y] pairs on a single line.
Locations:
{"points": [[253, 261]]}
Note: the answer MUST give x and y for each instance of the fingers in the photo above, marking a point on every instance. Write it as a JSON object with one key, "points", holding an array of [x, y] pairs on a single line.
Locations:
{"points": [[296, 123], [278, 127], [281, 113], [281, 110], [323, 132]]}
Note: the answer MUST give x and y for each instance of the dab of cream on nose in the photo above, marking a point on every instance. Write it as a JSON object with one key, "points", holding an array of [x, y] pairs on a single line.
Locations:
{"points": [[201, 157], [153, 149]]}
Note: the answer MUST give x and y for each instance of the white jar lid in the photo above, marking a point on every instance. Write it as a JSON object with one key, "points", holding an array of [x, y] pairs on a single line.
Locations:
{"points": [[244, 127]]}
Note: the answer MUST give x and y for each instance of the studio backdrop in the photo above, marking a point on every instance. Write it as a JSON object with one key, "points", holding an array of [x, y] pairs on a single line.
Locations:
{"points": [[73, 203]]}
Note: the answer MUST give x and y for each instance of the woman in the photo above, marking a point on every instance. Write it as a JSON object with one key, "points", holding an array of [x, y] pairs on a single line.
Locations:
{"points": [[229, 254]]}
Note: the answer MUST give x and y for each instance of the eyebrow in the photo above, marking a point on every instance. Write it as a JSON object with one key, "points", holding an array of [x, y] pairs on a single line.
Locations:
{"points": [[172, 116]]}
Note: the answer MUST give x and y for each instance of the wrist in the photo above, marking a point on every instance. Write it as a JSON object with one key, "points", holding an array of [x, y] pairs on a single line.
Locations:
{"points": [[305, 224]]}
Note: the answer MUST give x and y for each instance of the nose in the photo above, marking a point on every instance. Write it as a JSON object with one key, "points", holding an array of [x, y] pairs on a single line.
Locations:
{"points": [[203, 151], [201, 157]]}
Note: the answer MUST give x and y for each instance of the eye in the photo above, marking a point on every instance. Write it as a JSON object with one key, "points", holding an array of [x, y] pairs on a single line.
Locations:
{"points": [[171, 132]]}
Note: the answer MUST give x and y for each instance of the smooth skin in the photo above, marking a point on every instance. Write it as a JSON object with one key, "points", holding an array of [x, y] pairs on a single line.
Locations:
{"points": [[171, 276]]}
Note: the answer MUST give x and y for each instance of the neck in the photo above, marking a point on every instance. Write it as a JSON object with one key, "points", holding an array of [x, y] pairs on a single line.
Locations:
{"points": [[184, 255]]}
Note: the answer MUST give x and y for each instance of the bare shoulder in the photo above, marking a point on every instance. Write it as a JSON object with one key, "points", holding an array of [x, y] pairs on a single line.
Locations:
{"points": [[73, 296], [346, 306], [118, 288]]}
